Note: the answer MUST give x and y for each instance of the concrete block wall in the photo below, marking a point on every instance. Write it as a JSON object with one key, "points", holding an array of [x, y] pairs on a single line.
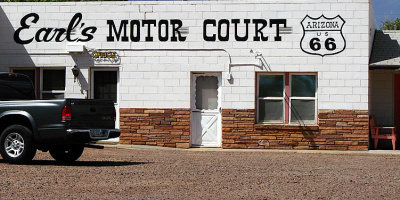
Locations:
{"points": [[161, 78]]}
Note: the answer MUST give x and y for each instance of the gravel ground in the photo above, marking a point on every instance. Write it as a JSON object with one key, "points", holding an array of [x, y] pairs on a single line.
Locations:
{"points": [[181, 174]]}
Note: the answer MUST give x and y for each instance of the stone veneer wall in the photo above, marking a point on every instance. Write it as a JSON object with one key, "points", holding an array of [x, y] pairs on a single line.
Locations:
{"points": [[158, 127], [337, 130]]}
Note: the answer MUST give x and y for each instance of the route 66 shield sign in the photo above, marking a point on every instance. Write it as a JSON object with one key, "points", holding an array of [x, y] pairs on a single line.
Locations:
{"points": [[323, 36]]}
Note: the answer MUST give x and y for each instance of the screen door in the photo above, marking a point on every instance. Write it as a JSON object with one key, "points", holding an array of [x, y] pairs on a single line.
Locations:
{"points": [[206, 110]]}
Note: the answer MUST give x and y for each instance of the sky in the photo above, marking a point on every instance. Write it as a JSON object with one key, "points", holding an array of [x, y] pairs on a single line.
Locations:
{"points": [[386, 9]]}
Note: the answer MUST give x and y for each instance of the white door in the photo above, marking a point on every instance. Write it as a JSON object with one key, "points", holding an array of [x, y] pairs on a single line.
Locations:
{"points": [[206, 110]]}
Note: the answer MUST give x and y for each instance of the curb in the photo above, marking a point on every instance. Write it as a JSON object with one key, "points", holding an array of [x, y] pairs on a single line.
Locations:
{"points": [[337, 152]]}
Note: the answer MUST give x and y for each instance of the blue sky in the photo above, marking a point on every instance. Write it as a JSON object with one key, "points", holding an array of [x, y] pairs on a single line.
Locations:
{"points": [[386, 9]]}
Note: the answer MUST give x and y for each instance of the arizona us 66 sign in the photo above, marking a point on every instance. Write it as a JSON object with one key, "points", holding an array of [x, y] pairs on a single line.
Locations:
{"points": [[323, 36]]}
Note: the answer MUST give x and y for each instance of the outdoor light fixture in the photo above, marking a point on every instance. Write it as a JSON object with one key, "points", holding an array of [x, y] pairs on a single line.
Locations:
{"points": [[75, 72]]}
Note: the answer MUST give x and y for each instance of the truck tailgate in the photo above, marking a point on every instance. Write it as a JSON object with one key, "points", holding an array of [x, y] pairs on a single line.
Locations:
{"points": [[92, 113]]}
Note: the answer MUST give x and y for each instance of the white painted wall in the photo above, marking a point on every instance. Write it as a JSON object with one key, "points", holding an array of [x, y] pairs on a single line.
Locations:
{"points": [[161, 78]]}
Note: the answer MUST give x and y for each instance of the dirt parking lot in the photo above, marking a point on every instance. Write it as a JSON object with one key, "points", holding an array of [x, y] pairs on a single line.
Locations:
{"points": [[191, 174]]}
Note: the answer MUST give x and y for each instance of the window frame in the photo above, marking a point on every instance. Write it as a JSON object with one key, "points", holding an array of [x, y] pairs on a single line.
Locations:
{"points": [[287, 100], [52, 91], [270, 98]]}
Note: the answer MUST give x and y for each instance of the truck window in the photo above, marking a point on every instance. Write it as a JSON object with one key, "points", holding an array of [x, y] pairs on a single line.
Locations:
{"points": [[31, 73], [16, 87]]}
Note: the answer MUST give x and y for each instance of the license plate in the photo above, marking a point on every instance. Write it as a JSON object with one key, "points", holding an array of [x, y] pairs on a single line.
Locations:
{"points": [[99, 133]]}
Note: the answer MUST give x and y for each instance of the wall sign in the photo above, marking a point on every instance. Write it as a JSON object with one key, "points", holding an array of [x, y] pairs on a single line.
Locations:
{"points": [[323, 36], [166, 30], [48, 34], [105, 57]]}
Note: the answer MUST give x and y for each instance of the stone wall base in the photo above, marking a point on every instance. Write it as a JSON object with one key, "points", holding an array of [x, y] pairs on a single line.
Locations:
{"points": [[336, 130], [157, 127]]}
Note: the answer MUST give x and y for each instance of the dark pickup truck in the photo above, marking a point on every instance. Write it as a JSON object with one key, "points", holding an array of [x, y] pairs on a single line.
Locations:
{"points": [[62, 127]]}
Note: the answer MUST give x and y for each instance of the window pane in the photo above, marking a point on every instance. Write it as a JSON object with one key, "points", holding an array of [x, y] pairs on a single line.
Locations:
{"points": [[302, 111], [47, 96], [271, 110], [207, 92], [303, 85], [105, 85], [271, 86], [53, 79]]}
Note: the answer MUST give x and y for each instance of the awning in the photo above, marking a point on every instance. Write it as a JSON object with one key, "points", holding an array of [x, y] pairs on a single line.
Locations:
{"points": [[385, 50]]}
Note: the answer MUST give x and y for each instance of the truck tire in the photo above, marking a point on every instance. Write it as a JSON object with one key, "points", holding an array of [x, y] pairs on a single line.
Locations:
{"points": [[16, 144], [67, 154]]}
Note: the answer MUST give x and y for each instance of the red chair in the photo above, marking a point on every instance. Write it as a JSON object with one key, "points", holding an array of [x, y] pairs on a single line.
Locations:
{"points": [[376, 133]]}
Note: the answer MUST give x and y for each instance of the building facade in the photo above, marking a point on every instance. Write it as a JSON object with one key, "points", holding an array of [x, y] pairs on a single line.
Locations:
{"points": [[250, 74]]}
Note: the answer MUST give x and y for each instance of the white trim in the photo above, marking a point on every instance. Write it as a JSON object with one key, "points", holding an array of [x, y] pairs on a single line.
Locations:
{"points": [[311, 122], [41, 91]]}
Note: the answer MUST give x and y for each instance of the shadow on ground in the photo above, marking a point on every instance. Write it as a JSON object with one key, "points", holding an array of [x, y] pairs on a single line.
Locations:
{"points": [[83, 163]]}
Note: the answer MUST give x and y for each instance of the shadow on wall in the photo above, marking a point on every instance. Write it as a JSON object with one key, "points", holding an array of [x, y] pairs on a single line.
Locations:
{"points": [[385, 48], [12, 54], [83, 61]]}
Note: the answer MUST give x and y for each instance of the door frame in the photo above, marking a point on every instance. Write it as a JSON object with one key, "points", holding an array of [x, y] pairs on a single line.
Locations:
{"points": [[193, 77], [91, 88]]}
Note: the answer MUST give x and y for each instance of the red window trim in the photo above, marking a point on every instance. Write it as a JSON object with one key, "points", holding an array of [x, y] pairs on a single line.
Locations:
{"points": [[286, 97]]}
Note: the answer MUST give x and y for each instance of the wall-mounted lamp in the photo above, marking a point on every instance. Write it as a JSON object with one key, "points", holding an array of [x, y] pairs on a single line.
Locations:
{"points": [[75, 72]]}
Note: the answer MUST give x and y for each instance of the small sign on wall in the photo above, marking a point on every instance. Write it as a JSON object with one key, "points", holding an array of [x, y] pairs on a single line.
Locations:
{"points": [[323, 36], [104, 57]]}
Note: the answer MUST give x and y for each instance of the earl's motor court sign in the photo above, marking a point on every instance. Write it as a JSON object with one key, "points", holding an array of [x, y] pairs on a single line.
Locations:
{"points": [[322, 35], [131, 30]]}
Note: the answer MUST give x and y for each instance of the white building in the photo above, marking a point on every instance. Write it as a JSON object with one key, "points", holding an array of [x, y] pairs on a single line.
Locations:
{"points": [[231, 74]]}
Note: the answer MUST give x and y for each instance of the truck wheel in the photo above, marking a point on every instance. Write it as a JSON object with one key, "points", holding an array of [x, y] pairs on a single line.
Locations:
{"points": [[67, 154], [16, 144]]}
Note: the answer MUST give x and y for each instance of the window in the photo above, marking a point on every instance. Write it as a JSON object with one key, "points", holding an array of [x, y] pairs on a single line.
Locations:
{"points": [[206, 92], [271, 99], [105, 85], [53, 84], [287, 98], [49, 83]]}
